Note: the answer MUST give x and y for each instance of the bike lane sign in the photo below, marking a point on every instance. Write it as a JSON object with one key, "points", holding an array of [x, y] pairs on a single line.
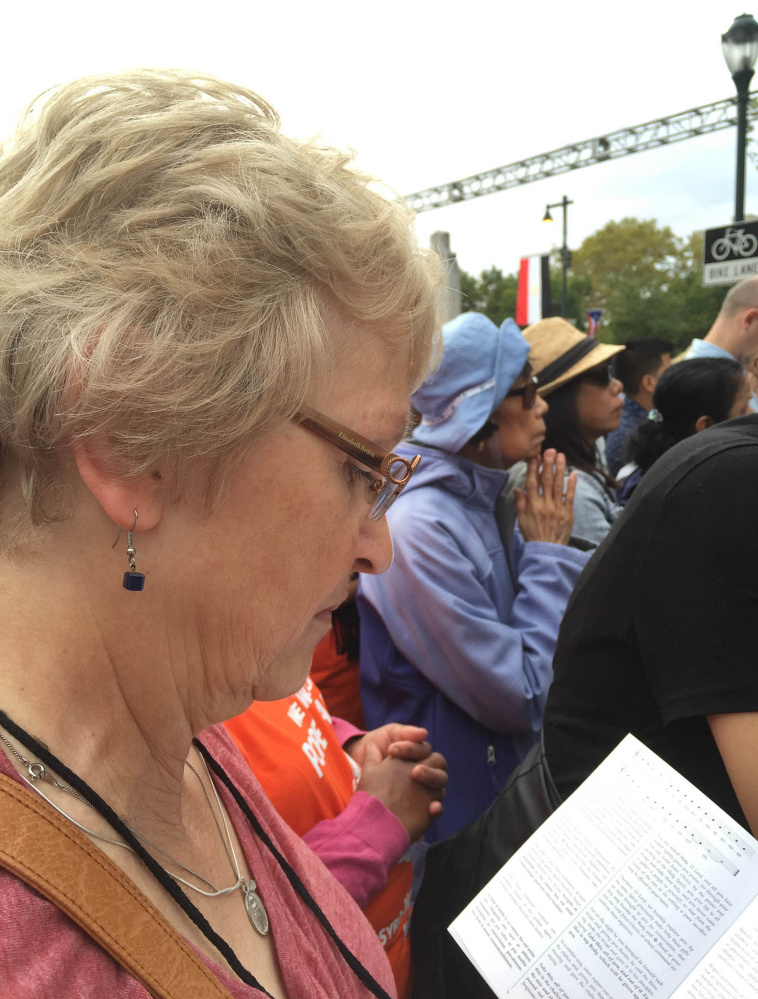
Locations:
{"points": [[730, 253]]}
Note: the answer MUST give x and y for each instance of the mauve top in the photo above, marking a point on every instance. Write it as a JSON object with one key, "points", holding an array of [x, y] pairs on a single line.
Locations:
{"points": [[43, 955]]}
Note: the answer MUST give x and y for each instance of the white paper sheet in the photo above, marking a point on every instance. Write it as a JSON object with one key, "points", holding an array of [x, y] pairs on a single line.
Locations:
{"points": [[621, 892]]}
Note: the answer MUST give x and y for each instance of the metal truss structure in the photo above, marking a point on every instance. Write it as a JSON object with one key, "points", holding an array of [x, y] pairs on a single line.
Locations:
{"points": [[661, 132]]}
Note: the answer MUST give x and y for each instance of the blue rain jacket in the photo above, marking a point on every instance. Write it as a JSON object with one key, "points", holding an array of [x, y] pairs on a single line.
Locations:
{"points": [[449, 641]]}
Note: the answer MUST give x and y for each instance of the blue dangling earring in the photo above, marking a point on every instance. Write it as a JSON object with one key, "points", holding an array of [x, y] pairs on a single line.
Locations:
{"points": [[133, 580]]}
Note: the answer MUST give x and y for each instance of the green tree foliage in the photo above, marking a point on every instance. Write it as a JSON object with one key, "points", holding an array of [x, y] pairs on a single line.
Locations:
{"points": [[633, 254], [578, 289], [647, 281], [693, 307], [492, 293]]}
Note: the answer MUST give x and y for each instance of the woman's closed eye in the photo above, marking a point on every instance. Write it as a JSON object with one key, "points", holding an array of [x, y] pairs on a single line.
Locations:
{"points": [[354, 473]]}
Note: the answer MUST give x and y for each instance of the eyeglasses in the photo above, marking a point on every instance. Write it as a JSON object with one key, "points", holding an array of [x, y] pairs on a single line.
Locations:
{"points": [[600, 375], [528, 393], [395, 470]]}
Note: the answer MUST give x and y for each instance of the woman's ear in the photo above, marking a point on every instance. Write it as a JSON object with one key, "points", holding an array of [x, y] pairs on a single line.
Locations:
{"points": [[702, 423], [120, 497]]}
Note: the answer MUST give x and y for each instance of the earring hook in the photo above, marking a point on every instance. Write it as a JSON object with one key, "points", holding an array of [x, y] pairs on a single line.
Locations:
{"points": [[133, 580], [129, 533]]}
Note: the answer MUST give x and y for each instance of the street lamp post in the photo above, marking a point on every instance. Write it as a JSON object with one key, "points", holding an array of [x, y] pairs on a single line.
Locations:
{"points": [[740, 47], [565, 253]]}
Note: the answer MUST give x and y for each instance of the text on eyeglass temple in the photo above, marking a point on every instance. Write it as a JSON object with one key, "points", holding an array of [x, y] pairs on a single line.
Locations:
{"points": [[360, 447]]}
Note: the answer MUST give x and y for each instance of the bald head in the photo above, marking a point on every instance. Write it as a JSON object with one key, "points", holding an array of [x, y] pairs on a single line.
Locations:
{"points": [[742, 296], [736, 327]]}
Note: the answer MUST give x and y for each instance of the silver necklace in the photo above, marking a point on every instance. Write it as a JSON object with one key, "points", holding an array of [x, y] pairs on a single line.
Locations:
{"points": [[256, 910], [254, 907]]}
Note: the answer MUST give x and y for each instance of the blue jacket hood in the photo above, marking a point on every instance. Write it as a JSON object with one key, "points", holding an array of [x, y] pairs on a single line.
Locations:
{"points": [[471, 483]]}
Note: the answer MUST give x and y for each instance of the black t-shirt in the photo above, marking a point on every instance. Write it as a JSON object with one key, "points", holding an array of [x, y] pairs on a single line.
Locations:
{"points": [[662, 627]]}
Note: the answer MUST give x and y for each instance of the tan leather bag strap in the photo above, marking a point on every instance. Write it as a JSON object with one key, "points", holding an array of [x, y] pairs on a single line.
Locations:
{"points": [[41, 848]]}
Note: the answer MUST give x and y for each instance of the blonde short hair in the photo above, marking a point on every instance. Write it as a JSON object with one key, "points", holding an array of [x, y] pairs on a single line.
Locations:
{"points": [[167, 258]]}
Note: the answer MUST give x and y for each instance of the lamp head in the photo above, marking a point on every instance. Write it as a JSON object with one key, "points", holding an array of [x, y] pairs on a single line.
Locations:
{"points": [[547, 217], [740, 44]]}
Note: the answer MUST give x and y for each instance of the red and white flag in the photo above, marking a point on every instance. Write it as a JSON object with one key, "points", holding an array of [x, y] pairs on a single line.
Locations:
{"points": [[533, 301]]}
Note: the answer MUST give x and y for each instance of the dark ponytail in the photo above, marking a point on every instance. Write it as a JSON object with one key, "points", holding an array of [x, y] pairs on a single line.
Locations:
{"points": [[647, 442], [703, 386]]}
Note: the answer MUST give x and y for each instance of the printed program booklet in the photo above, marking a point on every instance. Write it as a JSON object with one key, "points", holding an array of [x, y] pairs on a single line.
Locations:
{"points": [[637, 886]]}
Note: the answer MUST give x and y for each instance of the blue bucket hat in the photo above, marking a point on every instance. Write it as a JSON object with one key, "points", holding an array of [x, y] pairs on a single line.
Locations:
{"points": [[479, 365]]}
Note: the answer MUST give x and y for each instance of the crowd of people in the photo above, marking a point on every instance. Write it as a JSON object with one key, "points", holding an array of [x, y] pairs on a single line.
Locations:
{"points": [[210, 338]]}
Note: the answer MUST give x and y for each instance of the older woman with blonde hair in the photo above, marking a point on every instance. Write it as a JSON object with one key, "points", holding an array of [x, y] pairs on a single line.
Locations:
{"points": [[204, 328]]}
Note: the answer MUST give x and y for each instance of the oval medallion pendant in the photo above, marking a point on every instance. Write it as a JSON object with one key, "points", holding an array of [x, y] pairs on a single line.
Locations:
{"points": [[256, 911]]}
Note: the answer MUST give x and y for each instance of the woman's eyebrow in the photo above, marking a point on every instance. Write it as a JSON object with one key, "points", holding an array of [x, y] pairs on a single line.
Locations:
{"points": [[402, 427], [411, 422]]}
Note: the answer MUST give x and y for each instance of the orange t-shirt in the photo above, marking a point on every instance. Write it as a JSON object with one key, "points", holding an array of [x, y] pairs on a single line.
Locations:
{"points": [[338, 681], [293, 750]]}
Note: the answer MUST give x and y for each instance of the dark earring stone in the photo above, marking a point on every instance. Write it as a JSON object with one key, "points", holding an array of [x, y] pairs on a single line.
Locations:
{"points": [[134, 581]]}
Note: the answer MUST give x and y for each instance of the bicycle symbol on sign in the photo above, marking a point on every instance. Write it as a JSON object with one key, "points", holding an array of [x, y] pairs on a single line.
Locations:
{"points": [[736, 241]]}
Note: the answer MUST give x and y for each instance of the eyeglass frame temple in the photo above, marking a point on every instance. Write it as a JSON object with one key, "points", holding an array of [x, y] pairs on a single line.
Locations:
{"points": [[360, 448]]}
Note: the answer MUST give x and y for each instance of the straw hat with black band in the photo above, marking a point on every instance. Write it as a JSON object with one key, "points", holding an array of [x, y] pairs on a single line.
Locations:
{"points": [[559, 352]]}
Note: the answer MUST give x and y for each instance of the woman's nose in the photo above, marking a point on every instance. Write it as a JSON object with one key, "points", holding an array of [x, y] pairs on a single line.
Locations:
{"points": [[616, 386], [374, 553]]}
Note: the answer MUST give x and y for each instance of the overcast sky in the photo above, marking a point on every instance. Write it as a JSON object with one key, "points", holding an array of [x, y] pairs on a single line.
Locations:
{"points": [[432, 92]]}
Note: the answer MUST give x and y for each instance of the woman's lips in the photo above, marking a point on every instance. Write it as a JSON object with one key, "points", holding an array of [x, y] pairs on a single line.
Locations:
{"points": [[324, 617], [327, 611]]}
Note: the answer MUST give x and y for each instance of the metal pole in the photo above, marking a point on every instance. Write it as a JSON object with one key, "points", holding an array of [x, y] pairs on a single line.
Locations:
{"points": [[564, 258], [742, 83]]}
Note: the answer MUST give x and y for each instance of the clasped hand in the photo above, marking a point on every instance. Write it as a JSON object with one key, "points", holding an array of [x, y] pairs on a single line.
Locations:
{"points": [[545, 512], [401, 770]]}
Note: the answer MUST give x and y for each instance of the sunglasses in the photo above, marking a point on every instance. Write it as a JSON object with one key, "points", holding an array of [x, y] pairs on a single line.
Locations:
{"points": [[600, 375], [528, 393]]}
